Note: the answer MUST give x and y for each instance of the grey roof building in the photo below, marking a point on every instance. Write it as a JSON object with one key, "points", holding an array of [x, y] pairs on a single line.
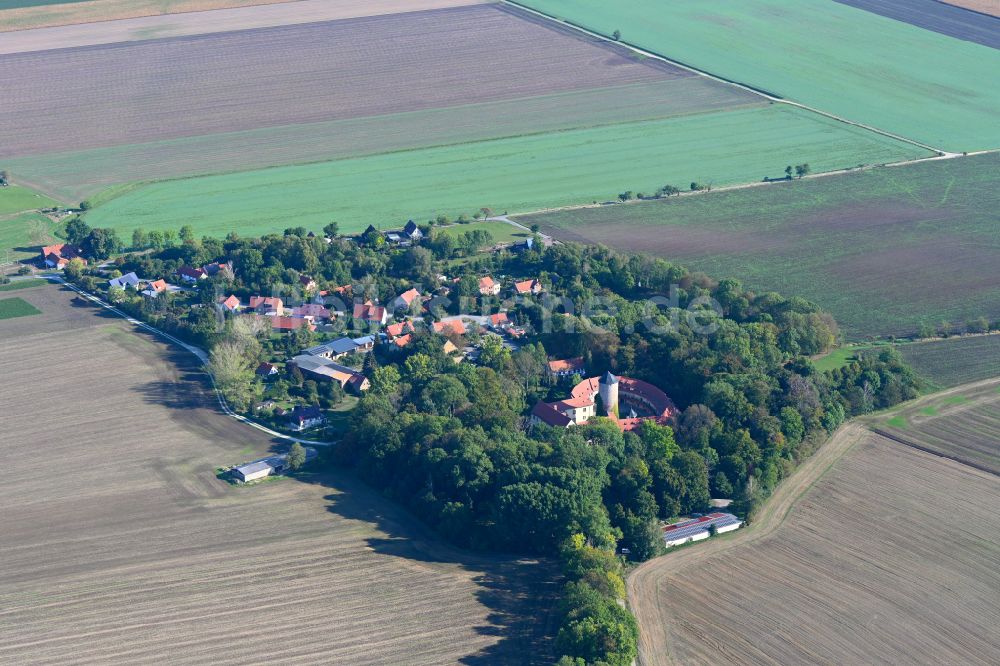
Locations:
{"points": [[128, 280]]}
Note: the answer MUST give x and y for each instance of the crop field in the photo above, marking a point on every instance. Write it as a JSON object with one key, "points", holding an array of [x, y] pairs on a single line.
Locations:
{"points": [[937, 16], [15, 199], [76, 175], [884, 250], [947, 363], [119, 543], [871, 69], [11, 308], [890, 557], [514, 174], [962, 424], [243, 80]]}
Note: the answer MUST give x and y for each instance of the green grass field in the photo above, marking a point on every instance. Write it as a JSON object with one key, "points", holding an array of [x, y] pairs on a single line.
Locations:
{"points": [[16, 199], [514, 174], [955, 361], [17, 307], [18, 233], [885, 73], [884, 250], [78, 175], [501, 231], [22, 284]]}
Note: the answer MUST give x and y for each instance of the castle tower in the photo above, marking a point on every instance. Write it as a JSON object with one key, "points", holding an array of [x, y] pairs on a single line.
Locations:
{"points": [[607, 388]]}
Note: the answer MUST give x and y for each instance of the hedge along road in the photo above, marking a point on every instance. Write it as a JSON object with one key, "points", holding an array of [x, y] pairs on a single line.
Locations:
{"points": [[200, 353]]}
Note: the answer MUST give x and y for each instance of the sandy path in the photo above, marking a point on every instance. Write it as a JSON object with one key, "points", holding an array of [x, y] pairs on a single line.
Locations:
{"points": [[200, 23]]}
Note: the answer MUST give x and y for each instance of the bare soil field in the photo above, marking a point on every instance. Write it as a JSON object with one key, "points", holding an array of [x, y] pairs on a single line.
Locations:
{"points": [[890, 557], [120, 546], [199, 23], [52, 14], [962, 424], [991, 7], [184, 86], [937, 16]]}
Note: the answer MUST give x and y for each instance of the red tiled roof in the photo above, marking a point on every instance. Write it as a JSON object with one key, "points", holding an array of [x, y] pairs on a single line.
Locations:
{"points": [[402, 340], [271, 302], [290, 323], [409, 296], [499, 318], [399, 328], [550, 415], [232, 302], [527, 286], [369, 312], [452, 326]]}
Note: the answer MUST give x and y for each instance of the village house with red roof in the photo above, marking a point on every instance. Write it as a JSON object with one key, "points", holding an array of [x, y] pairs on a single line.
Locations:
{"points": [[369, 312], [525, 287], [488, 286], [57, 256]]}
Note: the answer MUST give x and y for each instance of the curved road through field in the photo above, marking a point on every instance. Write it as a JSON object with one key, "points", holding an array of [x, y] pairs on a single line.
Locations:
{"points": [[644, 582]]}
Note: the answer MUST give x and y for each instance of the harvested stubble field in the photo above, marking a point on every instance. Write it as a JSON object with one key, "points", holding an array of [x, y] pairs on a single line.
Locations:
{"points": [[884, 250], [955, 361], [897, 77], [962, 424], [890, 557], [120, 546], [937, 16], [513, 174], [991, 7], [186, 86]]}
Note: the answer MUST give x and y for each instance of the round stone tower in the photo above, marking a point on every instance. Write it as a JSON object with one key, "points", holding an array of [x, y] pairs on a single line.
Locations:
{"points": [[607, 388]]}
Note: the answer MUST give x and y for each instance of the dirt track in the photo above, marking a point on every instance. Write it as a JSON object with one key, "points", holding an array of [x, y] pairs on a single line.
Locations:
{"points": [[199, 23], [120, 546]]}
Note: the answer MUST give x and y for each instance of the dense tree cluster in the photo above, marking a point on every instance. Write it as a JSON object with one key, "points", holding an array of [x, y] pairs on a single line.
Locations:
{"points": [[453, 442]]}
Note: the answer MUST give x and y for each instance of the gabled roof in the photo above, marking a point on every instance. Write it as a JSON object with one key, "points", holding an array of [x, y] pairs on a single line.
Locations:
{"points": [[399, 328], [409, 296], [266, 369], [289, 323], [402, 340], [369, 312], [301, 414], [449, 347], [498, 319], [527, 286], [486, 283], [232, 302], [266, 301], [127, 280], [550, 415], [158, 286], [189, 272]]}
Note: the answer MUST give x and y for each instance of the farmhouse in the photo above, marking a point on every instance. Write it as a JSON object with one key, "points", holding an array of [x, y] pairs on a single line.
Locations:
{"points": [[700, 528], [398, 329], [301, 418], [57, 256], [232, 304], [312, 311], [412, 231], [499, 322], [211, 270], [488, 286], [526, 287], [157, 287], [644, 401], [129, 280], [308, 284], [189, 274], [323, 368], [405, 300], [282, 323], [368, 311], [268, 305]]}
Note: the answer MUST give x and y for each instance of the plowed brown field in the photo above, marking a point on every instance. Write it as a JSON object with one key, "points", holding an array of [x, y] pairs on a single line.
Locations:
{"points": [[890, 556], [119, 545]]}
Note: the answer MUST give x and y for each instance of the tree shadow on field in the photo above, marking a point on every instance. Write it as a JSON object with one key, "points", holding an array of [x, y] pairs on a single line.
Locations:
{"points": [[520, 594]]}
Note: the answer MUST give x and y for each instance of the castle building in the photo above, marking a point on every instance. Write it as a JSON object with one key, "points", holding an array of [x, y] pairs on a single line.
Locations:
{"points": [[640, 400]]}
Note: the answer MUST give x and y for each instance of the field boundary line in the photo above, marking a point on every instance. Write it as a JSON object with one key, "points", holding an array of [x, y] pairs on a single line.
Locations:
{"points": [[198, 352], [961, 461], [715, 77]]}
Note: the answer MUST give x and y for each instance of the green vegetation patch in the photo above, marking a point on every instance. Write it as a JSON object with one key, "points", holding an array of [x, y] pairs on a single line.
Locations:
{"points": [[17, 307], [501, 231], [884, 250], [955, 361], [858, 65], [514, 174], [898, 422], [22, 234], [17, 4], [16, 199], [22, 284]]}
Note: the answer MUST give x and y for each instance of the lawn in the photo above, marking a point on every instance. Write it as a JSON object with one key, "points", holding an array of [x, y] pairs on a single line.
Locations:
{"points": [[868, 68], [16, 199], [21, 284], [501, 231], [884, 250], [21, 233], [11, 308], [513, 174]]}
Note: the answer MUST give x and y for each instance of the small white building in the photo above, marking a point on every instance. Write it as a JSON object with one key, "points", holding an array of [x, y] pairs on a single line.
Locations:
{"points": [[696, 529], [265, 467]]}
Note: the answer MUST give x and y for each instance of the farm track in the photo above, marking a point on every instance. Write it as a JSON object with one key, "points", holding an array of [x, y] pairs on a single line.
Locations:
{"points": [[120, 545]]}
